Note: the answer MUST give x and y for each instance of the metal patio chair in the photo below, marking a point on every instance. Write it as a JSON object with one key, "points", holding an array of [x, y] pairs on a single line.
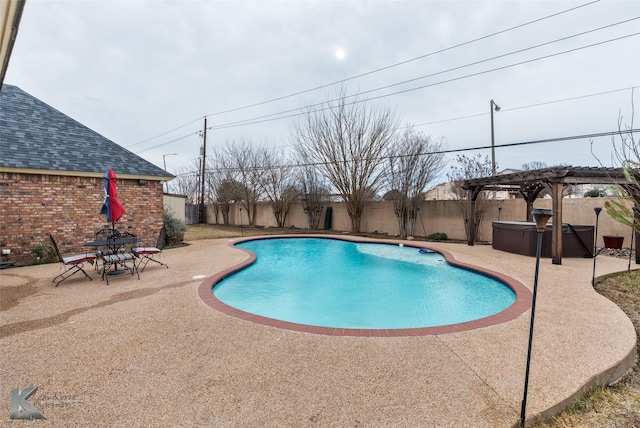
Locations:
{"points": [[103, 235], [146, 254], [72, 264], [119, 255]]}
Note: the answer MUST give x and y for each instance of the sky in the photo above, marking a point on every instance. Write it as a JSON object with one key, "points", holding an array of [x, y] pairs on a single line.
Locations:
{"points": [[145, 74]]}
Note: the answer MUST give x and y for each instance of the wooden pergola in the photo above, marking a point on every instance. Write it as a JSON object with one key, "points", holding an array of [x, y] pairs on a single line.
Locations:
{"points": [[530, 183]]}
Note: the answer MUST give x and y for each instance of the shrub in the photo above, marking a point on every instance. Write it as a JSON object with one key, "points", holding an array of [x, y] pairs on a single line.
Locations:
{"points": [[438, 236], [44, 253], [595, 193], [176, 228]]}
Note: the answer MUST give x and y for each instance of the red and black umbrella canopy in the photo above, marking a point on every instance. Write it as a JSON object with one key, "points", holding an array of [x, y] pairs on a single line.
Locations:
{"points": [[112, 207]]}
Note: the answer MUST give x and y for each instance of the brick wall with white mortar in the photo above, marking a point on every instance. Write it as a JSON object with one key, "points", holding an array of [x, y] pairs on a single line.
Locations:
{"points": [[34, 205]]}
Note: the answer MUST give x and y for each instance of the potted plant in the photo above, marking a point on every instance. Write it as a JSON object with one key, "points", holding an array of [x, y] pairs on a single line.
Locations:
{"points": [[613, 241]]}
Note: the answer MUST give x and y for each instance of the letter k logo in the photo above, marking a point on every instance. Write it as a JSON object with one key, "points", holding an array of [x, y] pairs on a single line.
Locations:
{"points": [[21, 408]]}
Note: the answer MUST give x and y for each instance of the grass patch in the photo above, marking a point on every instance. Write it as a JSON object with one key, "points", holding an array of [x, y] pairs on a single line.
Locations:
{"points": [[215, 231], [196, 232]]}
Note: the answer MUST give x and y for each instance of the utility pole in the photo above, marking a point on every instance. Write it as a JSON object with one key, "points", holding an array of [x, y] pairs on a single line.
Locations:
{"points": [[493, 106], [203, 211]]}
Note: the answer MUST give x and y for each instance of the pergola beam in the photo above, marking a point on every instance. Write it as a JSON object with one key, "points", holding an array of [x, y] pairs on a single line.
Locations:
{"points": [[577, 175], [530, 183]]}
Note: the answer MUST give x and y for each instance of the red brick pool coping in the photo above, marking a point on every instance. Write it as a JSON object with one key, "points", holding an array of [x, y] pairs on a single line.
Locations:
{"points": [[520, 306]]}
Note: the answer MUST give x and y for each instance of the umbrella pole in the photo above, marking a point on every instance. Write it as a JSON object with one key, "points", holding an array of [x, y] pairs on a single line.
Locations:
{"points": [[113, 232]]}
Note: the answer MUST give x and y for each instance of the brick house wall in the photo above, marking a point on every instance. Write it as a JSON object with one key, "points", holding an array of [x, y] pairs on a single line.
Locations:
{"points": [[68, 207]]}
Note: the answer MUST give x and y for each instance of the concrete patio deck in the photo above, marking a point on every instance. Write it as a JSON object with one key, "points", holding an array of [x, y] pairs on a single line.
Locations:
{"points": [[150, 352]]}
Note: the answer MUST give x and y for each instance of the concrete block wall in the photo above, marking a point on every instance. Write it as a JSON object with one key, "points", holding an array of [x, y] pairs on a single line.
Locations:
{"points": [[34, 205], [175, 204], [445, 216]]}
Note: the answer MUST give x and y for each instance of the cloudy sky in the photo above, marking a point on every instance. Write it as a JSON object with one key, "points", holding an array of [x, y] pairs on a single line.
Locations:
{"points": [[146, 73]]}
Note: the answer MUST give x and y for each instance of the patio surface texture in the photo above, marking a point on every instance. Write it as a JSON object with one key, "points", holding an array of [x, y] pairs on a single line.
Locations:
{"points": [[150, 352]]}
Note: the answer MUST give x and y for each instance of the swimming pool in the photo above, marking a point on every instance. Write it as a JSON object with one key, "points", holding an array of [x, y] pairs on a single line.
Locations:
{"points": [[335, 286]]}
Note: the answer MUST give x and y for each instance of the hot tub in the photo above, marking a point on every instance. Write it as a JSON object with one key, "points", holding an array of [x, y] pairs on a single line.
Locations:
{"points": [[520, 237]]}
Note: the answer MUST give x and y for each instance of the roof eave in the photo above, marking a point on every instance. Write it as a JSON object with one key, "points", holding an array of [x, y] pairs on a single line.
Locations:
{"points": [[4, 169]]}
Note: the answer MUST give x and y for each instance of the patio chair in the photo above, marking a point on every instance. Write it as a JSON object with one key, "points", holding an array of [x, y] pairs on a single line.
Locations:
{"points": [[72, 264], [103, 235], [147, 253], [119, 255]]}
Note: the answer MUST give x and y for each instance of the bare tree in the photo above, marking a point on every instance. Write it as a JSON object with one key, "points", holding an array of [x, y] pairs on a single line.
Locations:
{"points": [[213, 175], [530, 166], [626, 154], [314, 194], [186, 182], [413, 163], [278, 184], [567, 190], [465, 168], [242, 159], [223, 190], [347, 139]]}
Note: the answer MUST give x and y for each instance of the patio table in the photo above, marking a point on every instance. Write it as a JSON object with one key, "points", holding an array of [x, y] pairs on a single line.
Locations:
{"points": [[114, 243], [115, 256]]}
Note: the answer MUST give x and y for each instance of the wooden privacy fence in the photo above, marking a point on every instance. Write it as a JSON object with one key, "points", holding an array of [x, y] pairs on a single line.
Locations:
{"points": [[191, 214]]}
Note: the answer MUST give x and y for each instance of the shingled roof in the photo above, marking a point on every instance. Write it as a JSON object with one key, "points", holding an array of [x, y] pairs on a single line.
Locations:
{"points": [[36, 136]]}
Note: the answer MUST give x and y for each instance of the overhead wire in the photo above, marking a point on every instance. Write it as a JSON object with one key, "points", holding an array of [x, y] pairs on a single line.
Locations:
{"points": [[526, 106], [403, 62], [450, 151], [508, 109], [454, 118], [309, 107], [243, 123], [379, 69], [168, 142], [164, 133]]}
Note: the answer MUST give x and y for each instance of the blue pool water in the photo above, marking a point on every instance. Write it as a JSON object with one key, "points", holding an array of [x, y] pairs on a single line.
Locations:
{"points": [[334, 283]]}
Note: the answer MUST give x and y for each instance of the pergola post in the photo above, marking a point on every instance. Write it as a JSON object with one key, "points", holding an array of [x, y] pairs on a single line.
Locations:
{"points": [[556, 233], [530, 196], [531, 183], [636, 216], [637, 252]]}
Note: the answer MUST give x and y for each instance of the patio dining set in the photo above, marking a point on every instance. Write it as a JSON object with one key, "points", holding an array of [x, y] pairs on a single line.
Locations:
{"points": [[114, 253]]}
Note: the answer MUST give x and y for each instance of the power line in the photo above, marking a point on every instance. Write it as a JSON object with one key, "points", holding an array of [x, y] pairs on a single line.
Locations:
{"points": [[447, 151], [164, 133], [382, 68], [523, 143], [512, 65], [527, 106], [459, 117], [424, 76], [403, 62], [233, 124], [571, 99], [168, 142], [549, 140]]}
